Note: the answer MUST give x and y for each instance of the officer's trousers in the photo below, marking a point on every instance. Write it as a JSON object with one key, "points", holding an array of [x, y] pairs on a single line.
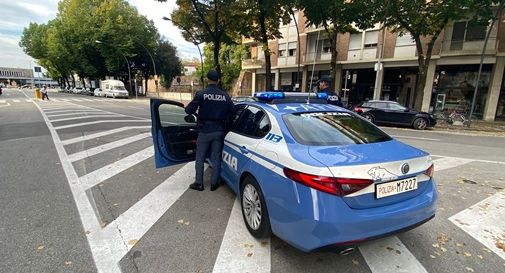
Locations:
{"points": [[214, 141]]}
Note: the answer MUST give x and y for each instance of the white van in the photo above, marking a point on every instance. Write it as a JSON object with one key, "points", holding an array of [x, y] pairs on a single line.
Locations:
{"points": [[114, 89]]}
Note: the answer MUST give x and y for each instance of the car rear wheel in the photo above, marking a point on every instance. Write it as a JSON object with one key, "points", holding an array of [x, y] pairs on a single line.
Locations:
{"points": [[254, 209], [420, 123], [368, 117]]}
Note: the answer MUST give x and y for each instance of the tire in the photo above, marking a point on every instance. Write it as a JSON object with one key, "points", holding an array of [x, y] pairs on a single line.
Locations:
{"points": [[420, 123], [254, 207], [368, 117]]}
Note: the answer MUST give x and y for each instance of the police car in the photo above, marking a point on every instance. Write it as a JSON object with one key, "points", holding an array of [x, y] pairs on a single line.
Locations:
{"points": [[313, 174]]}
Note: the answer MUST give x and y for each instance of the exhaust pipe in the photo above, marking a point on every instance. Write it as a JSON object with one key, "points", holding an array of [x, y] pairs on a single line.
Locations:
{"points": [[346, 251]]}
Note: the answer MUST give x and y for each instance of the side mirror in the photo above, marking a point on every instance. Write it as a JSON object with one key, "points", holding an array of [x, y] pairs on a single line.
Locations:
{"points": [[190, 119]]}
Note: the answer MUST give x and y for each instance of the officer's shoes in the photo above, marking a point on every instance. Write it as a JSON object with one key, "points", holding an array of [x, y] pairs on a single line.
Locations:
{"points": [[214, 187], [196, 186]]}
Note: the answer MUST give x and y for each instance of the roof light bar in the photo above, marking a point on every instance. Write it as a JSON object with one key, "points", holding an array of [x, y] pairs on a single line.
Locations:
{"points": [[276, 95]]}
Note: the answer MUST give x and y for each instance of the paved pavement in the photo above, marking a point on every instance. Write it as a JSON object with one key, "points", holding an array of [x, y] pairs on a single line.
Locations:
{"points": [[79, 193]]}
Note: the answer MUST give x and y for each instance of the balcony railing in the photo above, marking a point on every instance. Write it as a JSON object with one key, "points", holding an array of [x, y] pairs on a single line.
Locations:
{"points": [[317, 56], [252, 63], [450, 47]]}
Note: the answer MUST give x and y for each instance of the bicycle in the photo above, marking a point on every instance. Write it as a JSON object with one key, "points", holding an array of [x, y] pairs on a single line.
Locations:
{"points": [[451, 117]]}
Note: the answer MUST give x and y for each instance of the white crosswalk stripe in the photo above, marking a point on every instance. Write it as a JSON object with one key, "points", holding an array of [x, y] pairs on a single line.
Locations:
{"points": [[102, 134], [107, 147], [16, 100], [97, 122], [86, 117], [96, 177], [58, 111], [2, 101], [75, 112]]}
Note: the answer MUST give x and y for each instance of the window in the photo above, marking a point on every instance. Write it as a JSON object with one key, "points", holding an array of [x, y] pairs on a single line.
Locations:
{"points": [[292, 49], [371, 38], [282, 50], [332, 128], [252, 122], [396, 107], [355, 41], [475, 32], [326, 46], [405, 40]]}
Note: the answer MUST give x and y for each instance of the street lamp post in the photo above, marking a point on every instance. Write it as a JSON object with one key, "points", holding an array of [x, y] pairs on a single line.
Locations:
{"points": [[127, 64]]}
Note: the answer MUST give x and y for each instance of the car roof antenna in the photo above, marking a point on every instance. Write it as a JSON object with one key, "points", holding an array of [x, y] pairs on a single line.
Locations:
{"points": [[313, 66]]}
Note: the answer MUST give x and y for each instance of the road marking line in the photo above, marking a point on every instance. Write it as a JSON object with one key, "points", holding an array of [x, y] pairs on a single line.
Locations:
{"points": [[16, 101], [98, 176], [485, 221], [109, 146], [473, 159], [2, 101], [419, 138], [29, 100], [58, 111], [449, 162], [101, 134], [381, 259], [139, 218], [232, 256], [78, 100], [56, 100], [77, 113], [8, 104], [101, 244], [85, 117], [97, 122], [110, 112]]}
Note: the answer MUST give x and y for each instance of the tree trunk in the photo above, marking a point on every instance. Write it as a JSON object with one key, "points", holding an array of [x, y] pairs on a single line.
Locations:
{"points": [[265, 48], [146, 79], [217, 48], [73, 80], [420, 85], [333, 63]]}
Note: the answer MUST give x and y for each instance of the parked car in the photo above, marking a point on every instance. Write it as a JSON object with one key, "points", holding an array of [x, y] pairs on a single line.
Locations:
{"points": [[77, 90], [392, 113], [315, 175], [85, 91], [98, 92]]}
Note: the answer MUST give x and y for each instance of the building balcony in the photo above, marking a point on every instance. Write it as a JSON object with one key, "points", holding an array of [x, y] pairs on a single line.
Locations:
{"points": [[317, 57], [455, 48], [252, 63]]}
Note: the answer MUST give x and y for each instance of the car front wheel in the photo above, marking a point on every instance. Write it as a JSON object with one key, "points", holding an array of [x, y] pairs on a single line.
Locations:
{"points": [[254, 209], [368, 117], [420, 123]]}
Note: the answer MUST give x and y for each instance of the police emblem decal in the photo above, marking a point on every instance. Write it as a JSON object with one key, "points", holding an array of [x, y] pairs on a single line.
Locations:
{"points": [[405, 168]]}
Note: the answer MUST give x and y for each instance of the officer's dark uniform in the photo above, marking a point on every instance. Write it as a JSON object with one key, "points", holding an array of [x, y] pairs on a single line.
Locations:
{"points": [[332, 98], [215, 108]]}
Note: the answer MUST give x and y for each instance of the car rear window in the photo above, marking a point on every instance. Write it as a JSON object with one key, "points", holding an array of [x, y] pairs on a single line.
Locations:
{"points": [[332, 128]]}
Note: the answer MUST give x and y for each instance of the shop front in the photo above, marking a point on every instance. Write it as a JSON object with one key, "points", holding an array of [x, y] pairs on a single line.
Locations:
{"points": [[454, 88]]}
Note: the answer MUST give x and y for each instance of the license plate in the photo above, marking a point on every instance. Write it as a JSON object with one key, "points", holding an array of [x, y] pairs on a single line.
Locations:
{"points": [[395, 187]]}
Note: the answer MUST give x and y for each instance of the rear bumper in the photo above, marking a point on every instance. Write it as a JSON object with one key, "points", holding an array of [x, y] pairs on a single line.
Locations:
{"points": [[319, 220]]}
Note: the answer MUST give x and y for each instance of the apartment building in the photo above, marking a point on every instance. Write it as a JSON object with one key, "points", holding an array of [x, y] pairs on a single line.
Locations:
{"points": [[298, 64]]}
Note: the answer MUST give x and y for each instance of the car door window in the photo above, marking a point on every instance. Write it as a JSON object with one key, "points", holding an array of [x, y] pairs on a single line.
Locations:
{"points": [[396, 107], [380, 105], [253, 122], [172, 114]]}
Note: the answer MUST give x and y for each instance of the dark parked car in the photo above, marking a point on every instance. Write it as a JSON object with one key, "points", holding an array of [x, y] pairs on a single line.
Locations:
{"points": [[390, 112]]}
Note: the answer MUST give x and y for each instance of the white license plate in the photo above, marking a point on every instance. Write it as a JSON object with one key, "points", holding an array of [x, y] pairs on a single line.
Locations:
{"points": [[395, 187]]}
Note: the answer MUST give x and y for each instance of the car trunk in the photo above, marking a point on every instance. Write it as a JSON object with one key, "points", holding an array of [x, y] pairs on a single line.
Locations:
{"points": [[381, 162]]}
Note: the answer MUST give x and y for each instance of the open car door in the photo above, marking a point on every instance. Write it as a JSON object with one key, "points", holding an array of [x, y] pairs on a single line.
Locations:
{"points": [[174, 138]]}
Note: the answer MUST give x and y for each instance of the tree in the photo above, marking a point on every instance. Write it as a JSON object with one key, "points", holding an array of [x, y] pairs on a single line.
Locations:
{"points": [[210, 21], [262, 24], [230, 57], [424, 21], [336, 17], [168, 63]]}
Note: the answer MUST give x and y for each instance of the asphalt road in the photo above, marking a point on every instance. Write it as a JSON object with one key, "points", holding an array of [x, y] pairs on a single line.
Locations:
{"points": [[81, 195]]}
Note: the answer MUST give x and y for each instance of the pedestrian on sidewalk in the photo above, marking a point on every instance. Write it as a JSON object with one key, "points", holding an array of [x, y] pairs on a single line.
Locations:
{"points": [[214, 108], [44, 93]]}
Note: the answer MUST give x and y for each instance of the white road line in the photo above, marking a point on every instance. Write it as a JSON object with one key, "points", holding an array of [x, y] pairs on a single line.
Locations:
{"points": [[85, 117], [110, 112], [58, 111], [139, 218], [80, 112], [419, 138], [101, 244], [56, 100], [485, 221], [233, 256], [88, 99], [67, 100], [472, 159], [97, 122], [101, 134], [2, 101], [16, 101], [5, 105], [28, 100], [96, 177], [79, 100], [390, 255], [106, 147], [449, 162]]}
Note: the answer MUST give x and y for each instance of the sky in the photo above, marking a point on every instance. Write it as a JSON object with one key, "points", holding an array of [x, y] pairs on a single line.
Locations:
{"points": [[16, 15]]}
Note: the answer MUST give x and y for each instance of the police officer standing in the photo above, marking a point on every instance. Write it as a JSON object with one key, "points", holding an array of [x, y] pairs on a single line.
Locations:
{"points": [[214, 108], [324, 86]]}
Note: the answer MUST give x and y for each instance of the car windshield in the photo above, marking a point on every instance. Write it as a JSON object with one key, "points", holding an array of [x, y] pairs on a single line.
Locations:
{"points": [[332, 128], [118, 87]]}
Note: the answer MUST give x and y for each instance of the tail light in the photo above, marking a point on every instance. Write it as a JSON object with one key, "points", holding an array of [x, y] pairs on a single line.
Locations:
{"points": [[429, 172], [358, 109], [332, 185]]}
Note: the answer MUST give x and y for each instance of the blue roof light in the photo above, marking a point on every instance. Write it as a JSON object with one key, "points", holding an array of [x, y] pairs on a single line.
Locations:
{"points": [[269, 96], [322, 96]]}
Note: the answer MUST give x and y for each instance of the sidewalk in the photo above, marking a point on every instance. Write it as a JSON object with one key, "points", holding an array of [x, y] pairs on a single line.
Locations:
{"points": [[479, 127]]}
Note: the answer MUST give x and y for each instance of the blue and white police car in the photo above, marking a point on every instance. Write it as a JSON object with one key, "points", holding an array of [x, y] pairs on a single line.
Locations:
{"points": [[315, 175]]}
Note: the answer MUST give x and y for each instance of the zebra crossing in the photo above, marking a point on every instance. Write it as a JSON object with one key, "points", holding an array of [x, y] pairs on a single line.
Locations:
{"points": [[59, 99], [79, 142]]}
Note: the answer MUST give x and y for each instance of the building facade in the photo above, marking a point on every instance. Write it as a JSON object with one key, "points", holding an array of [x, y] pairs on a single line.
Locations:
{"points": [[391, 59], [15, 76]]}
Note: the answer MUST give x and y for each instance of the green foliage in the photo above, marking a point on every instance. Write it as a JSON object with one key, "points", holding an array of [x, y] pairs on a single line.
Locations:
{"points": [[230, 58], [168, 64]]}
